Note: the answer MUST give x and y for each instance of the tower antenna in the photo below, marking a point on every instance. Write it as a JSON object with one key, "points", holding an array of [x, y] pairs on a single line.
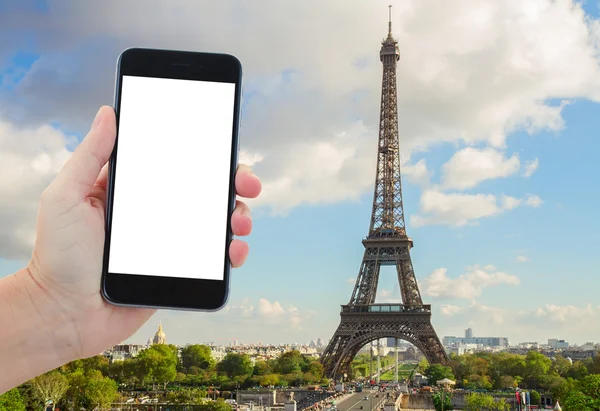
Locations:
{"points": [[390, 21]]}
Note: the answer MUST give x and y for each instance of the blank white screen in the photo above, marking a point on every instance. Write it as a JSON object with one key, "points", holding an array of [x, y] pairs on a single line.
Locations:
{"points": [[172, 178]]}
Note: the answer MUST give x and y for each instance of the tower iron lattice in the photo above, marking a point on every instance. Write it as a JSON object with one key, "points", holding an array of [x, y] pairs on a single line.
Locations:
{"points": [[387, 244]]}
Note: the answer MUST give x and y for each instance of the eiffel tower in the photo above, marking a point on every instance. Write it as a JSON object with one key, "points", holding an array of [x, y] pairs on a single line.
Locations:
{"points": [[363, 321]]}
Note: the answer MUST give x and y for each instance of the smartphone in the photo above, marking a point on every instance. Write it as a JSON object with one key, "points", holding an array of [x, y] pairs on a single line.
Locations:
{"points": [[170, 190]]}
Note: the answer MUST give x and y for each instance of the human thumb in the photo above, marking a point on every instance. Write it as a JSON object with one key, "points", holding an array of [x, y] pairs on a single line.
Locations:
{"points": [[74, 182]]}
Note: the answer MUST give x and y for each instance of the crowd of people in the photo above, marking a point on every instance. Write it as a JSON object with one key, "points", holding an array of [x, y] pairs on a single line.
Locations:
{"points": [[326, 403]]}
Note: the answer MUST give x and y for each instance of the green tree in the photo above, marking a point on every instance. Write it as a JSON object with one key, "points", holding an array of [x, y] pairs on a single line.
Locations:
{"points": [[472, 371], [561, 366], [268, 380], [577, 371], [236, 365], [504, 363], [132, 372], [290, 362], [485, 402], [316, 368], [197, 355], [559, 387], [51, 386], [590, 386], [28, 396], [180, 377], [98, 362], [537, 365], [157, 364], [502, 405], [102, 392], [478, 382], [218, 405], [12, 401], [76, 391], [593, 366], [504, 382], [535, 397], [83, 387], [437, 372], [578, 401], [262, 368], [442, 401], [193, 396], [422, 366], [294, 379]]}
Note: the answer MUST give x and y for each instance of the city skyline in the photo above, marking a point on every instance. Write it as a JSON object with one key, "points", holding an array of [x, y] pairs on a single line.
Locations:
{"points": [[322, 342], [496, 118]]}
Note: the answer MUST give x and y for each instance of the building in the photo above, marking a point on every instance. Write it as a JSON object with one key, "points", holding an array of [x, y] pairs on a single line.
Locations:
{"points": [[121, 352], [579, 355], [160, 337], [557, 344], [129, 350], [461, 349], [218, 353], [529, 345], [469, 339]]}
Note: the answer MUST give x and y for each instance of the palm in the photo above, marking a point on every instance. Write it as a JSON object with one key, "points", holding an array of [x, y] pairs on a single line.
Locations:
{"points": [[70, 248], [67, 259]]}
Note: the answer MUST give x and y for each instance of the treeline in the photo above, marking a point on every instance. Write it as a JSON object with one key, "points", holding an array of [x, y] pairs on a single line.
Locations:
{"points": [[576, 384], [362, 365], [188, 378]]}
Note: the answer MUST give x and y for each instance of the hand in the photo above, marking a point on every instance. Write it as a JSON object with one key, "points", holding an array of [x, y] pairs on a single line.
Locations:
{"points": [[66, 264]]}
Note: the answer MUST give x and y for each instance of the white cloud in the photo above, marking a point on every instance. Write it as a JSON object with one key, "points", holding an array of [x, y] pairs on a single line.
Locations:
{"points": [[29, 160], [331, 171], [273, 313], [533, 201], [533, 324], [268, 309], [473, 72], [351, 280], [477, 314], [249, 159], [467, 286], [450, 310], [531, 167], [247, 320], [558, 314], [508, 202], [470, 166], [459, 209], [417, 173], [383, 293], [522, 258]]}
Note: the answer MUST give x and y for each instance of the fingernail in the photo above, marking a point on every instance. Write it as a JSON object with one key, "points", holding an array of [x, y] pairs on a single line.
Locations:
{"points": [[246, 168], [246, 212], [97, 119]]}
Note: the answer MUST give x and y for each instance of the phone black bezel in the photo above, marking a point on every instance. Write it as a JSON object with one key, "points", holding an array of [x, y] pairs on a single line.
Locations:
{"points": [[169, 292]]}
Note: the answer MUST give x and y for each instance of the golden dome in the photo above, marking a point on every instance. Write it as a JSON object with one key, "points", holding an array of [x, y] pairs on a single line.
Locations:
{"points": [[160, 337]]}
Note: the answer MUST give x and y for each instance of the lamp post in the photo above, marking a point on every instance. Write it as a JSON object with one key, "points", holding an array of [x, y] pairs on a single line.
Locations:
{"points": [[443, 392]]}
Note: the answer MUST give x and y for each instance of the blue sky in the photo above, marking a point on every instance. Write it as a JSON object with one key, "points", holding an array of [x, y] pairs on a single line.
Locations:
{"points": [[486, 92]]}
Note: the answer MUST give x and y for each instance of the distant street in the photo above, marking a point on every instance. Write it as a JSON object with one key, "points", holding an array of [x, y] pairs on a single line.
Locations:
{"points": [[354, 402]]}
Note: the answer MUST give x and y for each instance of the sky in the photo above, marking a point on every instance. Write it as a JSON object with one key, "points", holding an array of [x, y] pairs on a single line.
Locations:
{"points": [[498, 116]]}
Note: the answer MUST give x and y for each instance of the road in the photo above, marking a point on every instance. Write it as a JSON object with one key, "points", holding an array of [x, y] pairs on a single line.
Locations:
{"points": [[354, 402]]}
